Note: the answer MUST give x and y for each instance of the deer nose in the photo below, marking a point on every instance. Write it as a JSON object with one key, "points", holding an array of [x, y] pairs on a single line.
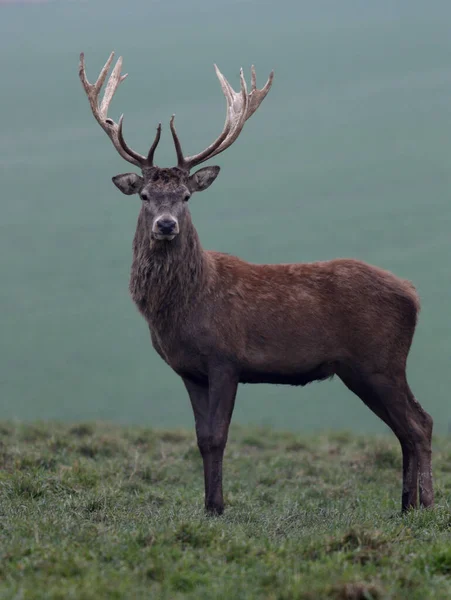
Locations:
{"points": [[166, 226]]}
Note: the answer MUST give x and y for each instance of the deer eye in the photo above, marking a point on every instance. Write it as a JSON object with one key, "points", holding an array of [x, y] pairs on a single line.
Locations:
{"points": [[145, 197], [186, 197]]}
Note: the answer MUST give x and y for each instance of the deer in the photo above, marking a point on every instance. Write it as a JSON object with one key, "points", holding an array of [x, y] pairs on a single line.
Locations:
{"points": [[219, 321]]}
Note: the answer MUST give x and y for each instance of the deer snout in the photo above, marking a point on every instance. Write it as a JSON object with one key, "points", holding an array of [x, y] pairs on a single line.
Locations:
{"points": [[166, 226]]}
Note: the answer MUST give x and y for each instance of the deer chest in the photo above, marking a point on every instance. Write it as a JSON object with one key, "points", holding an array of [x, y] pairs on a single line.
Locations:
{"points": [[180, 352]]}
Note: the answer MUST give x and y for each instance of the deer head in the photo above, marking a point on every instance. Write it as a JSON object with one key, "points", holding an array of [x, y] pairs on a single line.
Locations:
{"points": [[164, 192]]}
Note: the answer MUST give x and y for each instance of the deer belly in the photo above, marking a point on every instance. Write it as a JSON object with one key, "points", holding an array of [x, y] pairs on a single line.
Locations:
{"points": [[296, 356], [288, 377]]}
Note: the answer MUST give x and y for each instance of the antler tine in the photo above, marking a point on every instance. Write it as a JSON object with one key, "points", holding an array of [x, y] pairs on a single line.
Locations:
{"points": [[253, 79], [153, 147], [240, 106], [256, 96], [143, 161], [178, 147], [140, 160], [112, 129], [113, 83]]}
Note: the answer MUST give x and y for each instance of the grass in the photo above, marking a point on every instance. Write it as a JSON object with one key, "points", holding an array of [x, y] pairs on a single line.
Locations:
{"points": [[97, 511]]}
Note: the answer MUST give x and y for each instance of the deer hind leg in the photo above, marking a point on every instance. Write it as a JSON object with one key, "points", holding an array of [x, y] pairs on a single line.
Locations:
{"points": [[421, 423], [390, 398]]}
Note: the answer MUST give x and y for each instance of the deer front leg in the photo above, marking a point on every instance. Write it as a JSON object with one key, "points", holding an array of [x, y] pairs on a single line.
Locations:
{"points": [[223, 384], [213, 408], [198, 395]]}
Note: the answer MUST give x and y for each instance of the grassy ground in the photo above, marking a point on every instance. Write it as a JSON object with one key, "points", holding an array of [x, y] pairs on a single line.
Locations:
{"points": [[94, 511]]}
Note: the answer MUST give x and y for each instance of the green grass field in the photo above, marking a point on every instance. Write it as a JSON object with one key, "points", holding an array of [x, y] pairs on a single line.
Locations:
{"points": [[97, 511]]}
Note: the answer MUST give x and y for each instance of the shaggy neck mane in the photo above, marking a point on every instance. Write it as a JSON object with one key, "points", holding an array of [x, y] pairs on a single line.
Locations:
{"points": [[166, 276]]}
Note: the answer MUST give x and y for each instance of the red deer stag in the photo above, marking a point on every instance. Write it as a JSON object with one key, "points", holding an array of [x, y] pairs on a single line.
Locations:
{"points": [[219, 321]]}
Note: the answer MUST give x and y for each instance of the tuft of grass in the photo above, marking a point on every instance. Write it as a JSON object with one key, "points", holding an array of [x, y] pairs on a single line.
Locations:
{"points": [[97, 511]]}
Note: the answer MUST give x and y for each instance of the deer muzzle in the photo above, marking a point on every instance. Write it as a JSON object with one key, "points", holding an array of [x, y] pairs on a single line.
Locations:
{"points": [[165, 227]]}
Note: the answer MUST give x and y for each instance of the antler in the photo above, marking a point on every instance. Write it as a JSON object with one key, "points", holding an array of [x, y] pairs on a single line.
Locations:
{"points": [[240, 106], [112, 129]]}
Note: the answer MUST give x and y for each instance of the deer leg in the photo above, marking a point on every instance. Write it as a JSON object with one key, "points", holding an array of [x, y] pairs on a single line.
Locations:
{"points": [[213, 408], [413, 427], [422, 423], [198, 395], [388, 397], [223, 384]]}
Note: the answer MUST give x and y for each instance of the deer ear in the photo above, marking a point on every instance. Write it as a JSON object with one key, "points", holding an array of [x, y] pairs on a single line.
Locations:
{"points": [[202, 179], [129, 183]]}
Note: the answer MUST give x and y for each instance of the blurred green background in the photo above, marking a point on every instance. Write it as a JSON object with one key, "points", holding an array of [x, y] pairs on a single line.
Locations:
{"points": [[349, 156]]}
